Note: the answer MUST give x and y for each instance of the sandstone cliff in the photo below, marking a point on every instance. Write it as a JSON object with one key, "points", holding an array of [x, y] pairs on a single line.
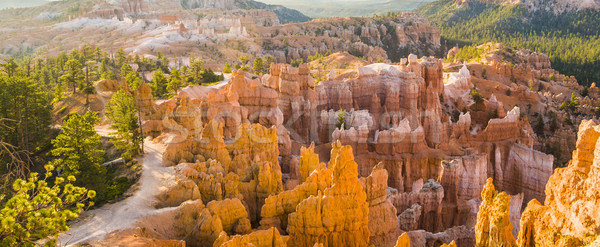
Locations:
{"points": [[570, 213]]}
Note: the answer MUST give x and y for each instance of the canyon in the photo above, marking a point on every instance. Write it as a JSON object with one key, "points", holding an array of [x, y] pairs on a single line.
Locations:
{"points": [[382, 154], [351, 131]]}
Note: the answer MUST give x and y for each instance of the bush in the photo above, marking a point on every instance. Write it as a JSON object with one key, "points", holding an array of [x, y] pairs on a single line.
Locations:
{"points": [[477, 96], [209, 76], [117, 188], [296, 62], [341, 119]]}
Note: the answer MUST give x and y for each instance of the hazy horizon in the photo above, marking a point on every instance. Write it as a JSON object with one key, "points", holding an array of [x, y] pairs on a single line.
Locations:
{"points": [[5, 4]]}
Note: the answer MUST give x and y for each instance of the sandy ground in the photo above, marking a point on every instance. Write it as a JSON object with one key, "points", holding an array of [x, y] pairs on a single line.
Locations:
{"points": [[95, 224]]}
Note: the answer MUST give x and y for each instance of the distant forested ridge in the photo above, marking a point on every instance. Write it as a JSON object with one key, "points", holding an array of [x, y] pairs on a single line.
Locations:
{"points": [[571, 39]]}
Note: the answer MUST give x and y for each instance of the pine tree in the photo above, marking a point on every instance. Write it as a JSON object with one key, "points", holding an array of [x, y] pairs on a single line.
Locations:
{"points": [[159, 83], [59, 93], [25, 104], [73, 75], [78, 146], [244, 63], [227, 68], [258, 66], [162, 62], [121, 110], [197, 68], [341, 119], [125, 70], [121, 58], [133, 80], [90, 75], [38, 210], [174, 83], [105, 73]]}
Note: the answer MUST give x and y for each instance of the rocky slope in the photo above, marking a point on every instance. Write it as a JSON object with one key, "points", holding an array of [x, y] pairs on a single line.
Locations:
{"points": [[209, 29], [284, 14], [544, 26], [390, 37], [340, 8]]}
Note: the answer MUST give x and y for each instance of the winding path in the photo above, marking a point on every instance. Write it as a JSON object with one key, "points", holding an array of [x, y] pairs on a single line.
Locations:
{"points": [[95, 224]]}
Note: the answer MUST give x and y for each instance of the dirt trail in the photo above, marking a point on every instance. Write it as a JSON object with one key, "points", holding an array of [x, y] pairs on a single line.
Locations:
{"points": [[95, 224]]}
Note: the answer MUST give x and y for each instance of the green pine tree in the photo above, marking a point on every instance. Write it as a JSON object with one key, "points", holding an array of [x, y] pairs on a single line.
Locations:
{"points": [[123, 113], [38, 210], [159, 84], [174, 83], [73, 75], [227, 68], [258, 66]]}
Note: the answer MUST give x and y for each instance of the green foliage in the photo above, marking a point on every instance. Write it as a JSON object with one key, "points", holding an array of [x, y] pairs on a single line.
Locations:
{"points": [[553, 121], [209, 77], [539, 125], [24, 108], [318, 56], [570, 105], [79, 153], [105, 72], [455, 116], [73, 76], [159, 84], [59, 93], [78, 146], [244, 63], [121, 58], [341, 119], [467, 53], [125, 70], [243, 60], [174, 83], [62, 109], [571, 39], [477, 96], [197, 69], [122, 112], [493, 114], [554, 149], [296, 62], [162, 62], [39, 210], [227, 68], [133, 80], [258, 66]]}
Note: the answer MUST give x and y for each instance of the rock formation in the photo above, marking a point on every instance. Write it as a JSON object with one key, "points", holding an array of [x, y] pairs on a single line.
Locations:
{"points": [[260, 238], [338, 215], [493, 220], [383, 224], [409, 148], [570, 213], [429, 196]]}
